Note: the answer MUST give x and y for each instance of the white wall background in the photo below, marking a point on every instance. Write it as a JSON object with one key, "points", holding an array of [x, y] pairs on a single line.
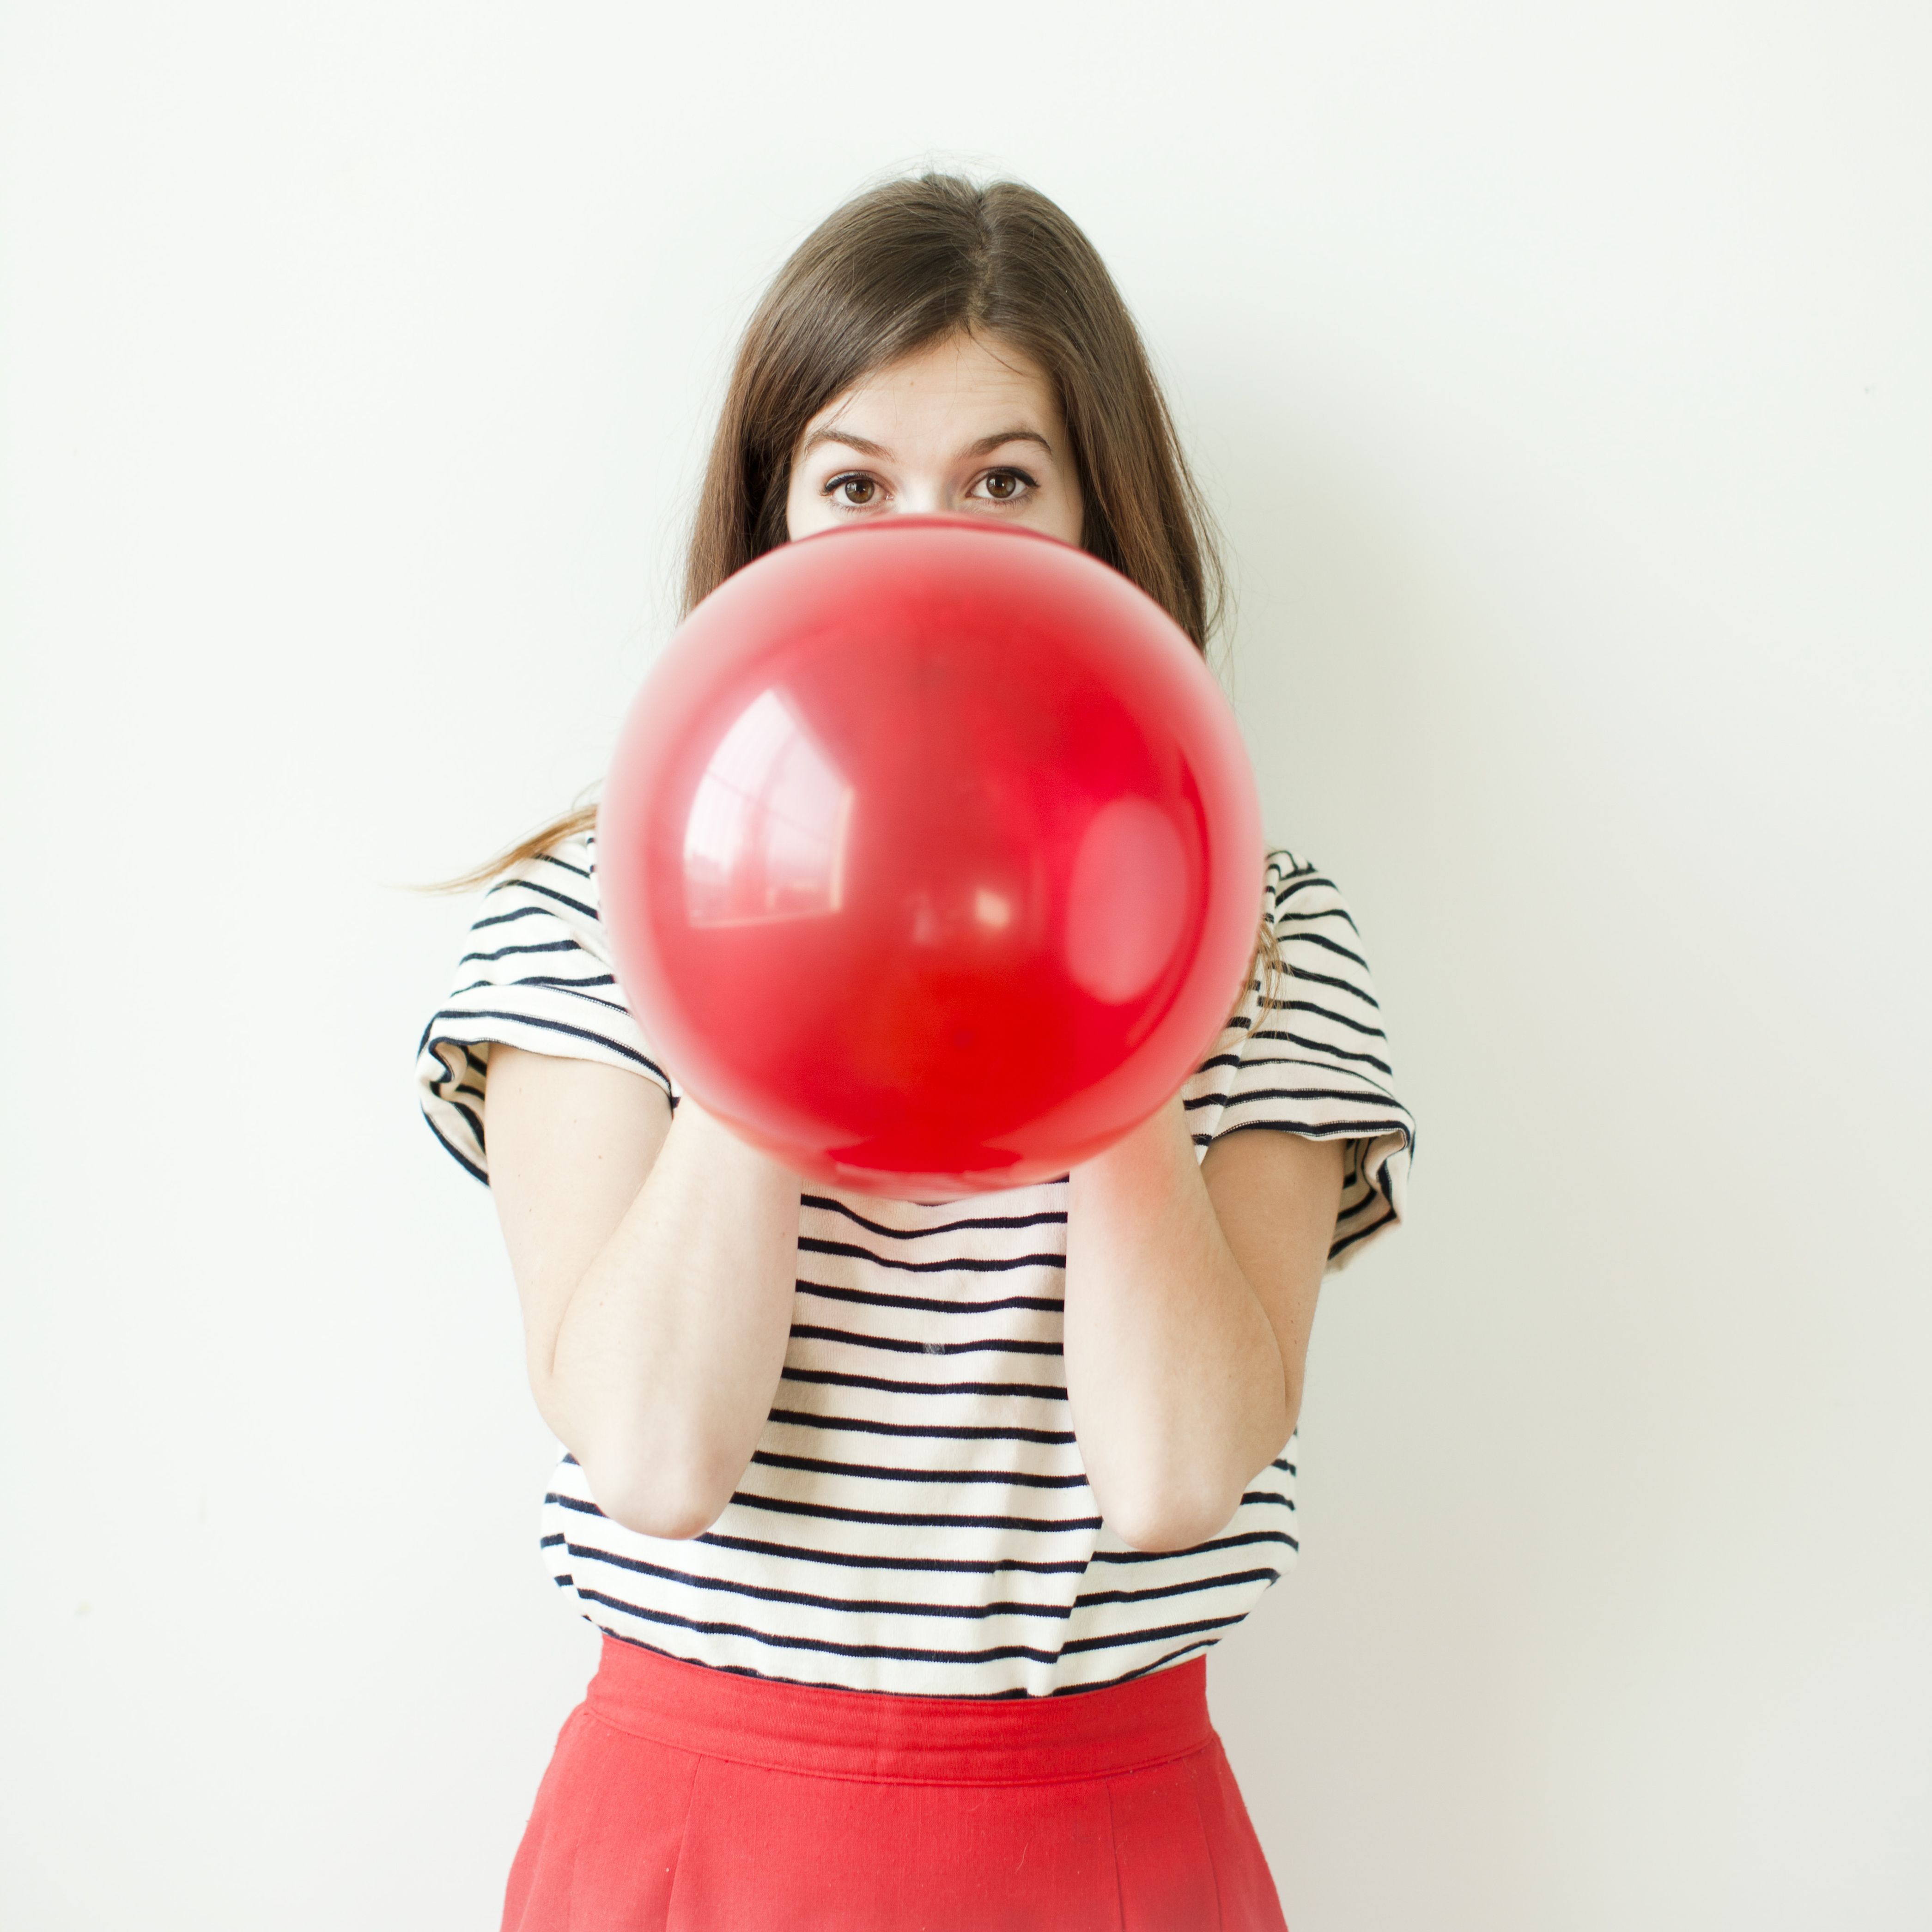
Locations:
{"points": [[1562, 375]]}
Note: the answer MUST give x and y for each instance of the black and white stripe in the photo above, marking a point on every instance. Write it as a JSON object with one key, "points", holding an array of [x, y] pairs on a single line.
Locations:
{"points": [[915, 1518]]}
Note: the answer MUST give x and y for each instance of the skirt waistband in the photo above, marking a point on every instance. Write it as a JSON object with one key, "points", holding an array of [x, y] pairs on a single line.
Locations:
{"points": [[875, 1736]]}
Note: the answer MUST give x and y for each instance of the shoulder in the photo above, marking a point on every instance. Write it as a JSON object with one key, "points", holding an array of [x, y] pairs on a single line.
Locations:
{"points": [[554, 888], [565, 870], [1297, 890], [536, 974], [1314, 932]]}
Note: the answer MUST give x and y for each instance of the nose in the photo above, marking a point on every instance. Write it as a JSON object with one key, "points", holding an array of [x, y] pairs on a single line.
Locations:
{"points": [[924, 496]]}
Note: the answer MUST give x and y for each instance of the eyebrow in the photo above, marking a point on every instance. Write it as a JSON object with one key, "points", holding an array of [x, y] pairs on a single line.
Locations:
{"points": [[831, 433], [987, 444]]}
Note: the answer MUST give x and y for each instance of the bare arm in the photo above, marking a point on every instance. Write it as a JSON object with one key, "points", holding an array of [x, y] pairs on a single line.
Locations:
{"points": [[1190, 1294], [655, 1260]]}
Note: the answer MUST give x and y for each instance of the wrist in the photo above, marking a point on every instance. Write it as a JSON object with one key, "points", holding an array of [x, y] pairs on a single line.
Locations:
{"points": [[715, 1141], [1144, 1153]]}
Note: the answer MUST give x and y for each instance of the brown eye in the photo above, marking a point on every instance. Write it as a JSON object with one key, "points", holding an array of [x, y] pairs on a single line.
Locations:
{"points": [[1002, 486], [856, 490]]}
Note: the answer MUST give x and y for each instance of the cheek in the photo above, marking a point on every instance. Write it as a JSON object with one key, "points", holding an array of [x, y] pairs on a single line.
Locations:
{"points": [[805, 510], [1067, 519]]}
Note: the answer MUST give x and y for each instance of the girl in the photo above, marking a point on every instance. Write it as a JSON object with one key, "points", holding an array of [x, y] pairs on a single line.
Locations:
{"points": [[908, 1526]]}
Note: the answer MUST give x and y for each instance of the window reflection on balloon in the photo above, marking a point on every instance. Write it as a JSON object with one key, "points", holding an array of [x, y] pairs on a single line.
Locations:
{"points": [[770, 823]]}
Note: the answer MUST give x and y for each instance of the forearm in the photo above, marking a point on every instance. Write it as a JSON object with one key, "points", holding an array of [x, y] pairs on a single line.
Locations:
{"points": [[1176, 1381], [670, 1348]]}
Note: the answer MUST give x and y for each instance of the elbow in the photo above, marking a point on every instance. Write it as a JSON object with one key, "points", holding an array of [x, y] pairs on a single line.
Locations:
{"points": [[673, 1505], [1156, 1522], [1160, 1504]]}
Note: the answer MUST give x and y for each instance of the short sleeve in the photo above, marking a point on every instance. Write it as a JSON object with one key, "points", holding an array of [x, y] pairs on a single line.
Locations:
{"points": [[538, 974], [1314, 1060]]}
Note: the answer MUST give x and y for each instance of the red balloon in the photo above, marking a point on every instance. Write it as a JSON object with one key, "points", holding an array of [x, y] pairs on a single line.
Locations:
{"points": [[930, 856]]}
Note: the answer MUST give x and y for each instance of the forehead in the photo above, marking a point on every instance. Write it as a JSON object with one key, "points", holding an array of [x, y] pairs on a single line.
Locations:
{"points": [[958, 378]]}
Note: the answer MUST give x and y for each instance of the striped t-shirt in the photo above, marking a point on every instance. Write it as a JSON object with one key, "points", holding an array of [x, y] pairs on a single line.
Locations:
{"points": [[915, 1518]]}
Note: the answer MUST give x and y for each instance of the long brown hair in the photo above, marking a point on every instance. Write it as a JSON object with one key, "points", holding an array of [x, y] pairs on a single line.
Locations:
{"points": [[893, 271]]}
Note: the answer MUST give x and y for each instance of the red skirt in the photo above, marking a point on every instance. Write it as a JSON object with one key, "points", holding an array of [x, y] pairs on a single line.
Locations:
{"points": [[694, 1800]]}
